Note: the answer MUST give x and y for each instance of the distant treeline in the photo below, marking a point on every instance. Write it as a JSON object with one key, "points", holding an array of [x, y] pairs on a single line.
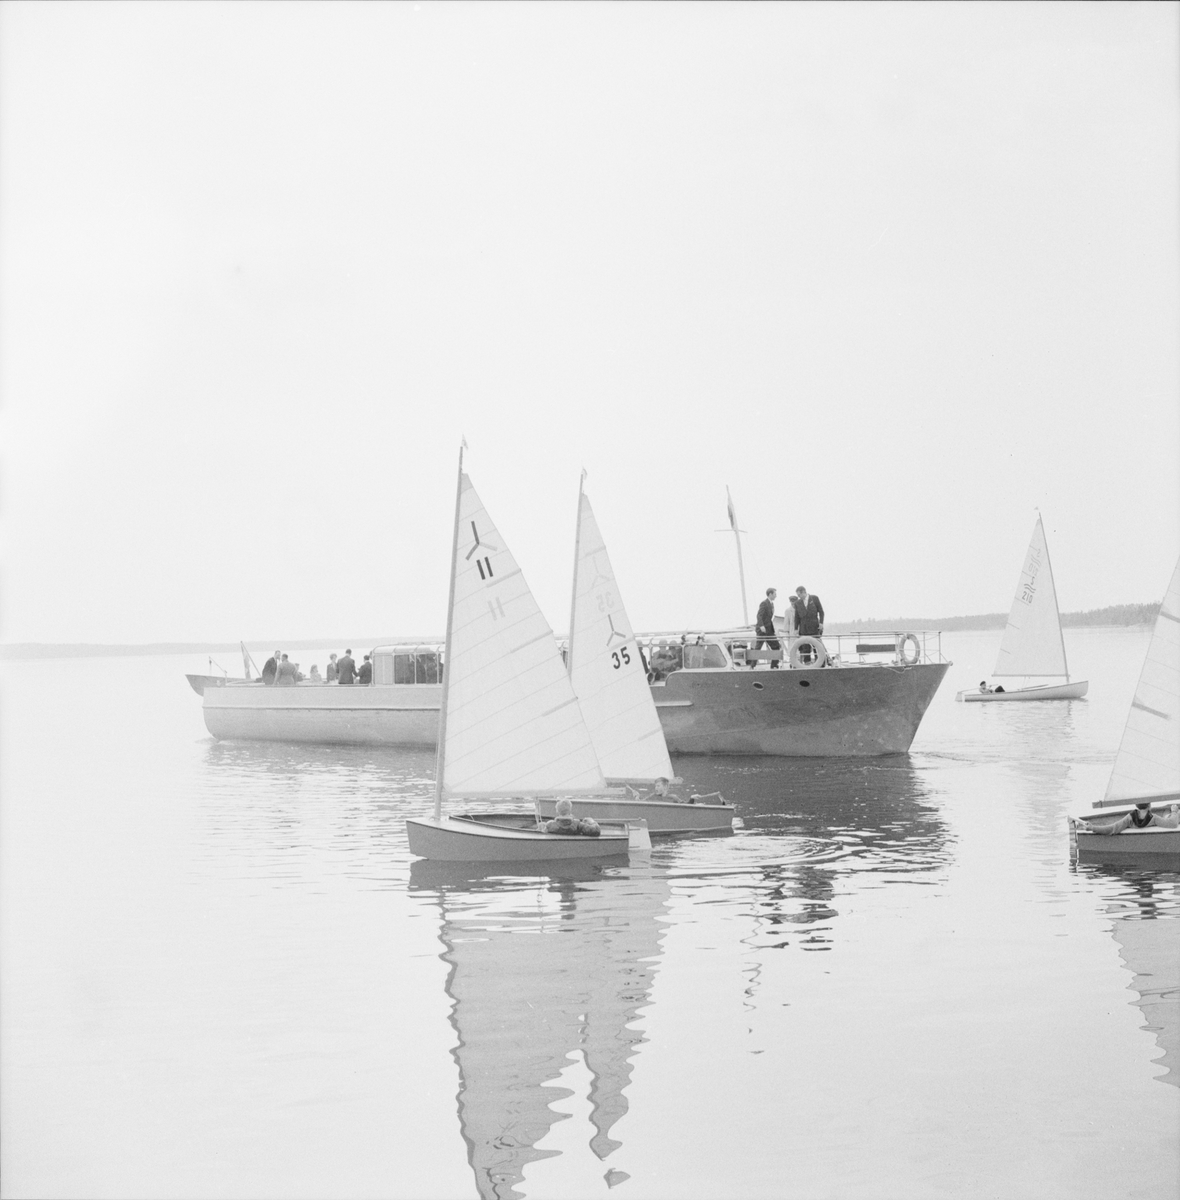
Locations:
{"points": [[1114, 614]]}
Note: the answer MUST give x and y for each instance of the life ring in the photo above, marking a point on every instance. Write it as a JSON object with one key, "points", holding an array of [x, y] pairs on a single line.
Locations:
{"points": [[808, 652], [904, 642]]}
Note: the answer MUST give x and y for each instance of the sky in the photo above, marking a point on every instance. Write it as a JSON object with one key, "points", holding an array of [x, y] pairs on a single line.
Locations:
{"points": [[899, 275]]}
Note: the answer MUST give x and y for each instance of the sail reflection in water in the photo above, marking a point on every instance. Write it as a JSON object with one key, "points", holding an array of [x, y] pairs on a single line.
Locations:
{"points": [[542, 969]]}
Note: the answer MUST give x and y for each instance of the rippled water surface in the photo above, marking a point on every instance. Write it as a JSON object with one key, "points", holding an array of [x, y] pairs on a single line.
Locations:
{"points": [[224, 976]]}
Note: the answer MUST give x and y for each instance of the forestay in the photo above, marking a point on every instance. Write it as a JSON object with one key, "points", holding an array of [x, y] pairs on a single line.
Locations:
{"points": [[511, 721], [1148, 762], [606, 668], [1032, 643]]}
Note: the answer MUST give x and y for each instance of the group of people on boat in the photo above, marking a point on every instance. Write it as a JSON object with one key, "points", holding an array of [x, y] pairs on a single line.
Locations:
{"points": [[280, 671], [805, 614]]}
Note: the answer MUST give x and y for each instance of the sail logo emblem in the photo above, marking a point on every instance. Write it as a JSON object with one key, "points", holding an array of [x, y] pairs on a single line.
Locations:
{"points": [[485, 562], [1028, 587], [614, 633]]}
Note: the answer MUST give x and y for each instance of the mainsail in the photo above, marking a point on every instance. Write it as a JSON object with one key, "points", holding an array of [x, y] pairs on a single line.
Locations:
{"points": [[1032, 643], [1148, 761], [606, 668], [511, 722]]}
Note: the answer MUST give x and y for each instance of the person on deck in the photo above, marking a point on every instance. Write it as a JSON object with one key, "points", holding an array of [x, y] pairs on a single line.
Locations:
{"points": [[346, 670], [1141, 818], [365, 674], [809, 613], [288, 673], [332, 670], [313, 676], [764, 626], [270, 668]]}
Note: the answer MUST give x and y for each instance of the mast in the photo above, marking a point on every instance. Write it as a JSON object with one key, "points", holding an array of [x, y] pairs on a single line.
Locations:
{"points": [[442, 722], [1049, 567], [569, 652], [737, 537]]}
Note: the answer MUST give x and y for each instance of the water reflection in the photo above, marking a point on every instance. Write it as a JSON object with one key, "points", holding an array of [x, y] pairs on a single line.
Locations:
{"points": [[542, 969], [1145, 906]]}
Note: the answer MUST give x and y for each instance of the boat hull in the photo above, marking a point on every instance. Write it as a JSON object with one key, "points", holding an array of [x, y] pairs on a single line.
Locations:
{"points": [[821, 712], [1055, 691], [504, 837], [325, 713], [661, 816], [1157, 845]]}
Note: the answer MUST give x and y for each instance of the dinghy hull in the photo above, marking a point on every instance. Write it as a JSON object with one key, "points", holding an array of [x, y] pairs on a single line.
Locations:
{"points": [[506, 837], [661, 816], [1055, 691], [1152, 845]]}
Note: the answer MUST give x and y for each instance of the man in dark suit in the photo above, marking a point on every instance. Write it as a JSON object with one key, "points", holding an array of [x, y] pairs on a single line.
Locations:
{"points": [[809, 613], [270, 668], [347, 670], [764, 626]]}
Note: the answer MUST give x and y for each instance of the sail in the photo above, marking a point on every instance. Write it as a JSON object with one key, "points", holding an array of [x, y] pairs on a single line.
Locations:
{"points": [[606, 667], [512, 722], [1032, 642], [1148, 761]]}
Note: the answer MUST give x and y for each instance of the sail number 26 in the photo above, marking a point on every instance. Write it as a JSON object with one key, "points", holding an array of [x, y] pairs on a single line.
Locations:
{"points": [[620, 657]]}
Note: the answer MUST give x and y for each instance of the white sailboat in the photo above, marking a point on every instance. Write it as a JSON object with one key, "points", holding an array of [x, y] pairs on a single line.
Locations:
{"points": [[609, 679], [1032, 645], [510, 724], [1147, 766]]}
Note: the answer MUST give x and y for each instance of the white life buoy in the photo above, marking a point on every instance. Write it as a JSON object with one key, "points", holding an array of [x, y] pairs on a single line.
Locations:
{"points": [[808, 652], [906, 642]]}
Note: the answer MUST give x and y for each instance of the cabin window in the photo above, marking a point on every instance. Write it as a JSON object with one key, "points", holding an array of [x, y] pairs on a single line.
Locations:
{"points": [[426, 668], [382, 668], [699, 657], [403, 668]]}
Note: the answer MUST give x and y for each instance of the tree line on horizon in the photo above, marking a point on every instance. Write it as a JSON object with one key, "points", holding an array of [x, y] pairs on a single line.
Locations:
{"points": [[1112, 614]]}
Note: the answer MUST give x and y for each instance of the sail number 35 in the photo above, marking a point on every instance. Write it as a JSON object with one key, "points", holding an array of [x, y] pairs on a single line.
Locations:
{"points": [[620, 657]]}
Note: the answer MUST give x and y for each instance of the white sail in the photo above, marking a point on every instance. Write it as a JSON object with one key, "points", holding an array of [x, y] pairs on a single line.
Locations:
{"points": [[1148, 762], [511, 720], [606, 667], [1032, 643]]}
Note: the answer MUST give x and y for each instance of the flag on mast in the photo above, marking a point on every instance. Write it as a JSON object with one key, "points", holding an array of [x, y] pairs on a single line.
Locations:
{"points": [[729, 509]]}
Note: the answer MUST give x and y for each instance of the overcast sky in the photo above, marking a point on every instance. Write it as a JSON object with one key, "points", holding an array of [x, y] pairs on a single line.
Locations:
{"points": [[898, 274]]}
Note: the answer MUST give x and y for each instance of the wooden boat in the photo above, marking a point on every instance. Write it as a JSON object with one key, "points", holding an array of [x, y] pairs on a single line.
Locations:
{"points": [[510, 724], [1147, 766], [1032, 645], [609, 678], [200, 682]]}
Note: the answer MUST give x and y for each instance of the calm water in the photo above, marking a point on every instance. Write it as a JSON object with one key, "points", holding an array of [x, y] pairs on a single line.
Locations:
{"points": [[223, 976]]}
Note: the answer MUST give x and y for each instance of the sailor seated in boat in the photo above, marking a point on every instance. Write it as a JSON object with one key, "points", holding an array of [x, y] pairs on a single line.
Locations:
{"points": [[565, 822], [659, 791], [987, 691], [1141, 818]]}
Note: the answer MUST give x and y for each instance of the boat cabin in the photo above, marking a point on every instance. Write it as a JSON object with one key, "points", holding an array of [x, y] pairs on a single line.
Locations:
{"points": [[407, 665]]}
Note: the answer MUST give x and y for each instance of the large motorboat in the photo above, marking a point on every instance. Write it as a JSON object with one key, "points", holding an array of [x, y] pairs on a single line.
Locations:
{"points": [[847, 694]]}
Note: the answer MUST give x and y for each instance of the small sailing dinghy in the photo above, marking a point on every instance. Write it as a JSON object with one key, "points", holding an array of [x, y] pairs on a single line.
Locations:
{"points": [[610, 681], [1032, 644], [510, 725], [1146, 773]]}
